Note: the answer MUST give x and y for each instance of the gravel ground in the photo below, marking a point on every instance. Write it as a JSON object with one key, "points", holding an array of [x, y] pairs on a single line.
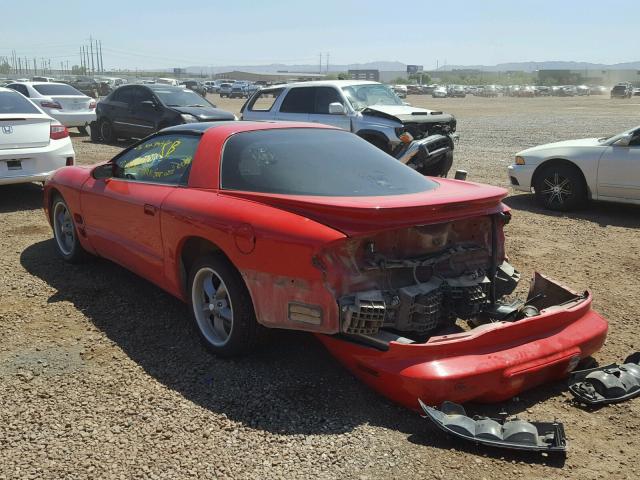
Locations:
{"points": [[101, 375]]}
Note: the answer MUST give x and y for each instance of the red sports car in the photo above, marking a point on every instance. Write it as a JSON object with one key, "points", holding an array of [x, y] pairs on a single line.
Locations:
{"points": [[402, 277]]}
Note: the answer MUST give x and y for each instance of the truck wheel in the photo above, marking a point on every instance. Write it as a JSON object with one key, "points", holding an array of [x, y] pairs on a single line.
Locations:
{"points": [[221, 307], [560, 187]]}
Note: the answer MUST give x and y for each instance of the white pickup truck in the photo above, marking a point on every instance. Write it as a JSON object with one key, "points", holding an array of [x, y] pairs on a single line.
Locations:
{"points": [[420, 138]]}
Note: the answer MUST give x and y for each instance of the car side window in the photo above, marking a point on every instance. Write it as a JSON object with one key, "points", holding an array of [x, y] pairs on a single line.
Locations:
{"points": [[325, 96], [263, 101], [20, 88], [299, 100], [162, 159], [124, 95]]}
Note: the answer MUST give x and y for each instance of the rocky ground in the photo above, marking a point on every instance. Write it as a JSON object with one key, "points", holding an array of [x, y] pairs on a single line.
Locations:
{"points": [[101, 374]]}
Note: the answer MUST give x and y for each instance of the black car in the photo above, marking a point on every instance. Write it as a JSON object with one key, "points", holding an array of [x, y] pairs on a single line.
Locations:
{"points": [[135, 111], [622, 90]]}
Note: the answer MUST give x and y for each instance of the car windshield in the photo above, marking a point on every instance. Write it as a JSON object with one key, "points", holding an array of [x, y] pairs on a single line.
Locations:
{"points": [[57, 89], [617, 136], [363, 96], [13, 102], [181, 98], [290, 161]]}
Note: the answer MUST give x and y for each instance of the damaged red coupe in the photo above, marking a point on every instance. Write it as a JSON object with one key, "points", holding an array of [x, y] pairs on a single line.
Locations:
{"points": [[403, 278]]}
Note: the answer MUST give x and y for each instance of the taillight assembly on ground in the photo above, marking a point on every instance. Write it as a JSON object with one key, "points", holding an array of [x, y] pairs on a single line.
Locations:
{"points": [[56, 132], [69, 162], [50, 104]]}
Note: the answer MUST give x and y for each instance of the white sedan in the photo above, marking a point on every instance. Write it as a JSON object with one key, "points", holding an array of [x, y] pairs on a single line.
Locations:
{"points": [[32, 144], [564, 175], [69, 106]]}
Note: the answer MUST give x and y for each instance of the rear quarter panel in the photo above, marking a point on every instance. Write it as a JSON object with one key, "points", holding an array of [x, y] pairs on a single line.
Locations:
{"points": [[272, 249]]}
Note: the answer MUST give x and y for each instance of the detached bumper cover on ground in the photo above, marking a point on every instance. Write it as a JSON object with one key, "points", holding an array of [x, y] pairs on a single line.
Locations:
{"points": [[610, 384], [514, 434], [490, 363]]}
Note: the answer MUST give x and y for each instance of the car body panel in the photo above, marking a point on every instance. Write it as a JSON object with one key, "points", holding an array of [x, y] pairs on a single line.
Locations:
{"points": [[283, 247], [610, 170], [27, 153]]}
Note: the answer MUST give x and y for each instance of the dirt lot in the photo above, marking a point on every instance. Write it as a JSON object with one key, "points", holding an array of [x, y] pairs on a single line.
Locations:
{"points": [[101, 375]]}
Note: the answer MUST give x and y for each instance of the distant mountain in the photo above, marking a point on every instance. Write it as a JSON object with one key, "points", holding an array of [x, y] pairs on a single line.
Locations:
{"points": [[389, 66], [280, 67]]}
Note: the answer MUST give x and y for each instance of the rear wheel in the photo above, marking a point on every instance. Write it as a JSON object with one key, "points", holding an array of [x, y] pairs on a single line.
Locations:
{"points": [[94, 132], [106, 131], [560, 187], [65, 232], [221, 307]]}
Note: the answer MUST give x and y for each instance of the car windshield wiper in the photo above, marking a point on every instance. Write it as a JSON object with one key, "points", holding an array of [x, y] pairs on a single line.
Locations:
{"points": [[196, 105]]}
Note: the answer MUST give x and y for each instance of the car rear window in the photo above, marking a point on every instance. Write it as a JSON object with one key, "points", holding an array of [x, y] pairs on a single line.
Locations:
{"points": [[318, 162], [264, 100], [13, 102], [57, 89]]}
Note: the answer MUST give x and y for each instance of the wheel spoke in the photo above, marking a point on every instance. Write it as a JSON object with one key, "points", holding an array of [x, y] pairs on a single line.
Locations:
{"points": [[221, 291], [548, 183], [218, 326], [208, 287], [226, 313]]}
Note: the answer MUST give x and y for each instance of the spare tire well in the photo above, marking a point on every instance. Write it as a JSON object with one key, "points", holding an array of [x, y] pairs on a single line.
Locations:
{"points": [[559, 161]]}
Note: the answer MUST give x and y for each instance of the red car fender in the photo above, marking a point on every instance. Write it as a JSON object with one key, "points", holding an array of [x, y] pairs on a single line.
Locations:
{"points": [[278, 269]]}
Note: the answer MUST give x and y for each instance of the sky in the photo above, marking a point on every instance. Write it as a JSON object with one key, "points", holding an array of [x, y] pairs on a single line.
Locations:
{"points": [[163, 34]]}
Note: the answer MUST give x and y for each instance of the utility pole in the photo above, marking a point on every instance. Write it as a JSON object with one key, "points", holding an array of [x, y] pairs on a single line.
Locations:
{"points": [[320, 64], [86, 60], [327, 62], [101, 61], [35, 66], [93, 68]]}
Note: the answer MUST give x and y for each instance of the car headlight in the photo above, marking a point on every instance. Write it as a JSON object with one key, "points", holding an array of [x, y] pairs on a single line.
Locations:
{"points": [[187, 118], [520, 160]]}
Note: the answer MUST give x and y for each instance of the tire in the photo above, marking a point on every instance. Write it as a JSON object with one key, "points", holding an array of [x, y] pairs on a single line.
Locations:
{"points": [[560, 187], [378, 142], [83, 131], [94, 132], [106, 131], [228, 326], [65, 232]]}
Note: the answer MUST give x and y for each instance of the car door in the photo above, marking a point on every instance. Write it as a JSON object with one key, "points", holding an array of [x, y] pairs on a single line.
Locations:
{"points": [[297, 105], [323, 98], [144, 113], [619, 171], [116, 110], [121, 215]]}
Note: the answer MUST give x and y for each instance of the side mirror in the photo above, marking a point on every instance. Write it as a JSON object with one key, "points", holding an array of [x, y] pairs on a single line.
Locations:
{"points": [[336, 108], [106, 170], [624, 141]]}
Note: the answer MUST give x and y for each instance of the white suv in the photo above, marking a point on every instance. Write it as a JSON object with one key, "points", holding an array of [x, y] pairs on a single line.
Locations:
{"points": [[421, 138]]}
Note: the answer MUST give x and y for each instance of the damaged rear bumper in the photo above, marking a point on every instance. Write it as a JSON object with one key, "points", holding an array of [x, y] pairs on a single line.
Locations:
{"points": [[490, 363]]}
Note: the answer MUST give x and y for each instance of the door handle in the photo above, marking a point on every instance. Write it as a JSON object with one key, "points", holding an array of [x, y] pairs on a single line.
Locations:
{"points": [[149, 209]]}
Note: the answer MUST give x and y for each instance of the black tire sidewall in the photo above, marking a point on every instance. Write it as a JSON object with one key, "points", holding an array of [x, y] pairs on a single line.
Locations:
{"points": [[106, 138], [244, 332]]}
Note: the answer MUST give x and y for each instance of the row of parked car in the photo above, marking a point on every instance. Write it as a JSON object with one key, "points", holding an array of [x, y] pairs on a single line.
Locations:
{"points": [[621, 90]]}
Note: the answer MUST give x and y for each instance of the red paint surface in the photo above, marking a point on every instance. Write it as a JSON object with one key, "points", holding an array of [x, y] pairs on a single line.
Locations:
{"points": [[273, 240]]}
